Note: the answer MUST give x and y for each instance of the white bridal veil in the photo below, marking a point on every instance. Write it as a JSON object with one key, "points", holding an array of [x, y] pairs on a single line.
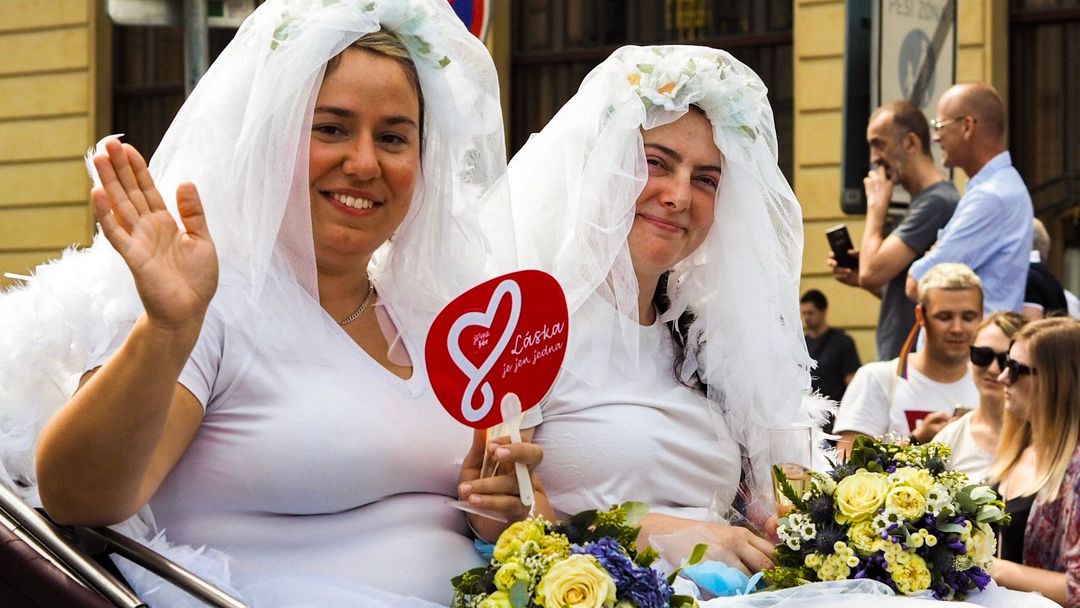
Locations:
{"points": [[573, 187], [242, 137]]}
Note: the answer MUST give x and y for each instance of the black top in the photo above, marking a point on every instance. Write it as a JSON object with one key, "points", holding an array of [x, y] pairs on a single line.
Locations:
{"points": [[1012, 536], [836, 357], [1044, 290]]}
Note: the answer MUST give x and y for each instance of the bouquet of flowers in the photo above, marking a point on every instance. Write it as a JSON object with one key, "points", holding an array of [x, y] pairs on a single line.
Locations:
{"points": [[893, 514], [587, 561]]}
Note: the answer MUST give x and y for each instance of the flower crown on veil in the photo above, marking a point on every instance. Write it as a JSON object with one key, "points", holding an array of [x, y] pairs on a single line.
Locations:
{"points": [[673, 81], [411, 21]]}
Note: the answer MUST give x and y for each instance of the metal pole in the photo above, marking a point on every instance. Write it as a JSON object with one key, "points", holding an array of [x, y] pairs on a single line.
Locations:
{"points": [[196, 43]]}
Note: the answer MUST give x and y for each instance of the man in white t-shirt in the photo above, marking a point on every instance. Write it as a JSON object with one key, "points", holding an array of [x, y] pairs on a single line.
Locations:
{"points": [[916, 395]]}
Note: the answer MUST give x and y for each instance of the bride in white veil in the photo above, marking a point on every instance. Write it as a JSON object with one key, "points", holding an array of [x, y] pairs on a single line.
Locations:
{"points": [[338, 148], [666, 145]]}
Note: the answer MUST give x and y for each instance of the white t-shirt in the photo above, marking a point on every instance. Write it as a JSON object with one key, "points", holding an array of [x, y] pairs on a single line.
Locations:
{"points": [[638, 435], [318, 471], [967, 456], [866, 407]]}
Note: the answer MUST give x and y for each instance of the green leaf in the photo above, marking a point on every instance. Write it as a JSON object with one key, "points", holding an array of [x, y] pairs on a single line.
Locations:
{"points": [[990, 513], [697, 554], [519, 594], [786, 489], [646, 557], [950, 527], [646, 68], [683, 601], [635, 512]]}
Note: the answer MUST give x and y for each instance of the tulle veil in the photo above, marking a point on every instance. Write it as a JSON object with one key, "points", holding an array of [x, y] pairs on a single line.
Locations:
{"points": [[573, 187], [242, 138]]}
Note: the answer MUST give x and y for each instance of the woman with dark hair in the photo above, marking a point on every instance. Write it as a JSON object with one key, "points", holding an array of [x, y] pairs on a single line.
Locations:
{"points": [[653, 196]]}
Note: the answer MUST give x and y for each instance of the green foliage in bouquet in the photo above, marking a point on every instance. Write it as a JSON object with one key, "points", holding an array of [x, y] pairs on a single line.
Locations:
{"points": [[892, 513], [586, 561]]}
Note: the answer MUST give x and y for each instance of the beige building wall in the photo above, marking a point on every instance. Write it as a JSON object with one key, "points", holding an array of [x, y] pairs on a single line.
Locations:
{"points": [[48, 109], [982, 29]]}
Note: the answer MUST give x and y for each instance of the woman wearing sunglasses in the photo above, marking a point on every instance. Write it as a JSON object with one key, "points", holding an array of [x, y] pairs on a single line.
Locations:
{"points": [[974, 437], [1042, 387]]}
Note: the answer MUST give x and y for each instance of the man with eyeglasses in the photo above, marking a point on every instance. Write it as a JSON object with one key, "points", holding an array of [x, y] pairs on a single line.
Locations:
{"points": [[991, 229], [917, 394], [899, 138]]}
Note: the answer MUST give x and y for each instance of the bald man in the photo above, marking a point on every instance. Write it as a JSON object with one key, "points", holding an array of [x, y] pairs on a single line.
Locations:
{"points": [[991, 228]]}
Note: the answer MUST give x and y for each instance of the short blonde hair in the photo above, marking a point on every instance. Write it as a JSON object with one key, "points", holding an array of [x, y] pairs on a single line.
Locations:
{"points": [[949, 275], [386, 44]]}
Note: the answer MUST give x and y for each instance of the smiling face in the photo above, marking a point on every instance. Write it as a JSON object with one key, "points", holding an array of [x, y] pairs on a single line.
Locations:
{"points": [[986, 378], [950, 138], [1020, 395], [675, 209], [950, 317], [364, 156], [886, 149]]}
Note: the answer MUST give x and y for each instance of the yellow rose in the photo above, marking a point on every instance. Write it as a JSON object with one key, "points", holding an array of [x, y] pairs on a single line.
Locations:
{"points": [[510, 573], [906, 502], [498, 599], [859, 496], [911, 576], [920, 479], [864, 537], [576, 582], [515, 537]]}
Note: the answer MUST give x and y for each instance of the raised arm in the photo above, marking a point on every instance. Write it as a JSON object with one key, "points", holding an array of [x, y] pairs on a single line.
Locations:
{"points": [[108, 449], [881, 258]]}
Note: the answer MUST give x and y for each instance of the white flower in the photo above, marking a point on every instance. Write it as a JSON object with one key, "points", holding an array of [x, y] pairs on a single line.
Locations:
{"points": [[937, 498], [983, 545]]}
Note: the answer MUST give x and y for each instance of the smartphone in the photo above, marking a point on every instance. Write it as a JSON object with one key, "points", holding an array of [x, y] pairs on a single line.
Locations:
{"points": [[840, 243]]}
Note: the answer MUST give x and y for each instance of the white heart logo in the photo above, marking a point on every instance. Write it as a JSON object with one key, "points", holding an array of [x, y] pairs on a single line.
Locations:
{"points": [[476, 375]]}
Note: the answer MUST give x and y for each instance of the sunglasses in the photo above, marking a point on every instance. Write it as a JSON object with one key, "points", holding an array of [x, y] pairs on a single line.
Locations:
{"points": [[1018, 370], [983, 356]]}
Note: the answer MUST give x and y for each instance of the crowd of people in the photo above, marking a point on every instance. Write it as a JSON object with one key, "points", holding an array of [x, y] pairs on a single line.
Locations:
{"points": [[968, 374], [237, 361]]}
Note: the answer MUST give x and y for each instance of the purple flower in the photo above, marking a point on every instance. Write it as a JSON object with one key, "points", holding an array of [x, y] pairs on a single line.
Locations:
{"points": [[980, 577], [640, 585]]}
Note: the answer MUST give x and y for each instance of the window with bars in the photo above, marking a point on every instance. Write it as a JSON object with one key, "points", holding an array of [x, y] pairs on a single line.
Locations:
{"points": [[557, 42], [148, 80]]}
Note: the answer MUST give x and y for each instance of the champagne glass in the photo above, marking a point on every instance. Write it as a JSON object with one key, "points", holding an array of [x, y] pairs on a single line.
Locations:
{"points": [[790, 450]]}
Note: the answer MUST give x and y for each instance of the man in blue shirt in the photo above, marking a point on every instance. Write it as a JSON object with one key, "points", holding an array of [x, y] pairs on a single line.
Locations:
{"points": [[991, 228]]}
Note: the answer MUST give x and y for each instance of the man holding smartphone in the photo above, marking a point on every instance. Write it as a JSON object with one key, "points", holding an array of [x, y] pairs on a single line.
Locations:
{"points": [[899, 138]]}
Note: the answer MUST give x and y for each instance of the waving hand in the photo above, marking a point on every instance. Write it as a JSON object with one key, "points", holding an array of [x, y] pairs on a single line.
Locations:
{"points": [[175, 270]]}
